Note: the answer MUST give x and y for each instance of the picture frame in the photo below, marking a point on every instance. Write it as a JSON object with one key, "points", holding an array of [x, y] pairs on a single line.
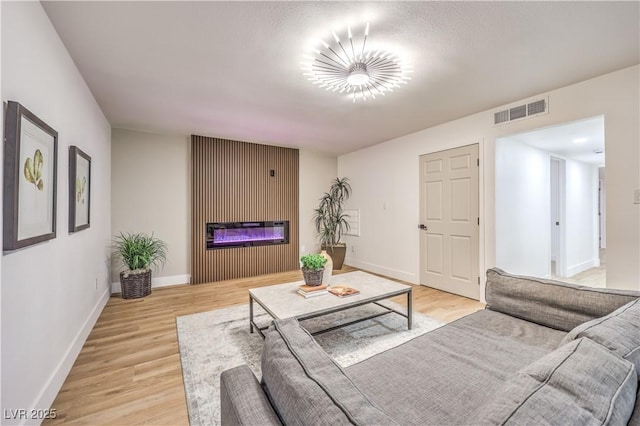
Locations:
{"points": [[79, 190], [29, 179]]}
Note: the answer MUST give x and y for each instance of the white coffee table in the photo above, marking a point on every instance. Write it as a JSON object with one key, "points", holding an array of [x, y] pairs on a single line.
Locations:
{"points": [[282, 301]]}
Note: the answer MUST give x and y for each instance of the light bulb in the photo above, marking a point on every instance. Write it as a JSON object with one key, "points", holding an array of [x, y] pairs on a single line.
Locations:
{"points": [[358, 78]]}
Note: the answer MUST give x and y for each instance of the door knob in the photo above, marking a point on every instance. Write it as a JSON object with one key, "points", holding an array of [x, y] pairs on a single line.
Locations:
{"points": [[421, 226]]}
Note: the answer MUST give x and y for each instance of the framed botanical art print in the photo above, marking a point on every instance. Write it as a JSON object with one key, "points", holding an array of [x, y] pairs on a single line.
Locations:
{"points": [[30, 175], [79, 189]]}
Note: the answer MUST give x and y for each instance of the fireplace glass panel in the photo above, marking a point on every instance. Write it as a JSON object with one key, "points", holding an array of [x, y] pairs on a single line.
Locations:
{"points": [[246, 234]]}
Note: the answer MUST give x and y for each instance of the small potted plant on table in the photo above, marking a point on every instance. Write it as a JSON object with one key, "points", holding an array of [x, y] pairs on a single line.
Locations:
{"points": [[139, 253], [313, 268]]}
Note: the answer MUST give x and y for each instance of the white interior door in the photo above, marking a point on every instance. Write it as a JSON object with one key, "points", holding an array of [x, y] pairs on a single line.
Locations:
{"points": [[557, 192], [449, 221]]}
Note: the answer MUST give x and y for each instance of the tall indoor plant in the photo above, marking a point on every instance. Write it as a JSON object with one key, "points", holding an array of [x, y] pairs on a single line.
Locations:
{"points": [[139, 253], [331, 221]]}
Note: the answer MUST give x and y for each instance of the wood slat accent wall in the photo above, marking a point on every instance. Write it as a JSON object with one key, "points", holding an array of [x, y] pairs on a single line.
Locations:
{"points": [[231, 183]]}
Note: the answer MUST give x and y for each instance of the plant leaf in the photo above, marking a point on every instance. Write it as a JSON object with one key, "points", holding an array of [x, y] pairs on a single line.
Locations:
{"points": [[38, 161], [40, 184], [139, 251], [38, 158], [313, 261], [28, 171], [78, 190], [329, 219]]}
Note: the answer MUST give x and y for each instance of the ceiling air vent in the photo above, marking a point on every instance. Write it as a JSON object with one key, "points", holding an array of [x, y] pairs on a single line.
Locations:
{"points": [[517, 112], [501, 117], [520, 111], [536, 107]]}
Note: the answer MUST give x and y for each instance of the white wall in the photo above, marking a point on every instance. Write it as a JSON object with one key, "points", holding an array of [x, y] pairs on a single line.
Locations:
{"points": [[316, 173], [52, 292], [522, 208], [581, 216], [387, 174], [151, 193], [382, 178], [522, 213]]}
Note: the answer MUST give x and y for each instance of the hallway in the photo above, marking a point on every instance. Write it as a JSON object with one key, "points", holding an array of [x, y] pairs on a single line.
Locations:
{"points": [[594, 277]]}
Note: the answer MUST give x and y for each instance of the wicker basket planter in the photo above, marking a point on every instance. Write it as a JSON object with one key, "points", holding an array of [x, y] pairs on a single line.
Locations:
{"points": [[312, 276], [135, 285]]}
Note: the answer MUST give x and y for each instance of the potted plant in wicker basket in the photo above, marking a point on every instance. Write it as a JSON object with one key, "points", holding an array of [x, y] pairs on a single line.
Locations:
{"points": [[313, 268], [139, 253]]}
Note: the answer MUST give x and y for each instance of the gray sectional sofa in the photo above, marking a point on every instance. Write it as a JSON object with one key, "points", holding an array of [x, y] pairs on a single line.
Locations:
{"points": [[542, 352]]}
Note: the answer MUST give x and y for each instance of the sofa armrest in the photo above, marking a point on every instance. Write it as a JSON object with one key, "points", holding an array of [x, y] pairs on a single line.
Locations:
{"points": [[554, 304], [242, 400]]}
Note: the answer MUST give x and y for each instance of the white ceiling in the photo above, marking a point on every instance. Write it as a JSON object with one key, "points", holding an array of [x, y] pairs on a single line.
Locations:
{"points": [[578, 140], [232, 69]]}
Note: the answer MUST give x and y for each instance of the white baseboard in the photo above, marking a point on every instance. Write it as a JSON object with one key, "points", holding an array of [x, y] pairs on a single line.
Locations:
{"points": [[48, 394], [159, 282], [383, 270], [576, 269]]}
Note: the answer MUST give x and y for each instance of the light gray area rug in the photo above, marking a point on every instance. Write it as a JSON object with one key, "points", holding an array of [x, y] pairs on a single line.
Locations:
{"points": [[211, 342]]}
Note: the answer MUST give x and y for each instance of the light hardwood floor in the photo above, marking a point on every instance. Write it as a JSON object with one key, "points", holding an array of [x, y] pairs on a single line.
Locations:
{"points": [[593, 277], [129, 372]]}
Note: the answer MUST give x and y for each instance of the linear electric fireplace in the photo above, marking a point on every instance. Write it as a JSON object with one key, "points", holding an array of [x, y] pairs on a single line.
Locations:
{"points": [[246, 234]]}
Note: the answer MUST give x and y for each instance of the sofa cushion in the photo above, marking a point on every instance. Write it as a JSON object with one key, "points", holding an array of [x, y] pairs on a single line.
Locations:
{"points": [[307, 386], [457, 368], [581, 383], [619, 332], [242, 400], [550, 303]]}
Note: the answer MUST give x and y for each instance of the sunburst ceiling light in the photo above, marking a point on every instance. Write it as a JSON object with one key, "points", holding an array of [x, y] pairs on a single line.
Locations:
{"points": [[360, 73]]}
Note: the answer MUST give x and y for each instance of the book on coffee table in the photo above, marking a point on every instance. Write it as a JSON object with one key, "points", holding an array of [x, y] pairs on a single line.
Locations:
{"points": [[307, 295], [343, 290], [312, 290]]}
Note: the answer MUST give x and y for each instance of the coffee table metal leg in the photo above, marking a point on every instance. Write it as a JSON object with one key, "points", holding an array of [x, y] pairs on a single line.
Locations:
{"points": [[250, 314], [409, 310]]}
